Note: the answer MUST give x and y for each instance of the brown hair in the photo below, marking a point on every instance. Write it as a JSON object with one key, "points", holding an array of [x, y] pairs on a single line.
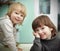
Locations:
{"points": [[44, 20]]}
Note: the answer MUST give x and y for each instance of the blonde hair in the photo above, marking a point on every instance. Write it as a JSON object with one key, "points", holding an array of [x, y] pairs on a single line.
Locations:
{"points": [[15, 6]]}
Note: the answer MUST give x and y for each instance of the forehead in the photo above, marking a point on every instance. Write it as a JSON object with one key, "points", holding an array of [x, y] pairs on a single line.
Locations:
{"points": [[18, 11]]}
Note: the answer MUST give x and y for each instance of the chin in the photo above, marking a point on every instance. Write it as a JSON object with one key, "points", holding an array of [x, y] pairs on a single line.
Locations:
{"points": [[16, 22], [43, 37]]}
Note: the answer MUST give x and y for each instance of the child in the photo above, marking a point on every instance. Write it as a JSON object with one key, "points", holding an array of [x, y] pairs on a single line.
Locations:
{"points": [[45, 35], [15, 15]]}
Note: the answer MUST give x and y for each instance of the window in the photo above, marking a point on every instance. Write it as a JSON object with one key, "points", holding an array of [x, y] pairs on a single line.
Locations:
{"points": [[44, 6]]}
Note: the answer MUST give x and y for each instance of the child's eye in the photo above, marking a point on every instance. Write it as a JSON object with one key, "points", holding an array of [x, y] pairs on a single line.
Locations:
{"points": [[16, 13], [36, 30], [42, 28], [22, 15]]}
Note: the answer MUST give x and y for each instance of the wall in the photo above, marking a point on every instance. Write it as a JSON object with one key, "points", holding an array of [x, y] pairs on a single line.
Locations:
{"points": [[25, 31], [3, 10]]}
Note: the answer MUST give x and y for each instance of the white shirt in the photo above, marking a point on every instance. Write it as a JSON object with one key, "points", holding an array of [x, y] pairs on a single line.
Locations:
{"points": [[7, 33]]}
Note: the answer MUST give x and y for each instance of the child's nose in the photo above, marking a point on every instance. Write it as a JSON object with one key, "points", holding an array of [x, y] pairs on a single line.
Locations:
{"points": [[40, 31], [18, 16]]}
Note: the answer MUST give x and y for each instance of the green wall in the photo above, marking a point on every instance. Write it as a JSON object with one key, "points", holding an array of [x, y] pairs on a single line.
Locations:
{"points": [[3, 10], [24, 34], [25, 31]]}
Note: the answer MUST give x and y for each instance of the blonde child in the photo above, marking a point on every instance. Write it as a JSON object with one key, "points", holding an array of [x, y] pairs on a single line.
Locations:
{"points": [[15, 15]]}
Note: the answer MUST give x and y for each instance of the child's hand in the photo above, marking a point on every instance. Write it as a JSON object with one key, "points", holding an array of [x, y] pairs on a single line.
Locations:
{"points": [[36, 35], [19, 49]]}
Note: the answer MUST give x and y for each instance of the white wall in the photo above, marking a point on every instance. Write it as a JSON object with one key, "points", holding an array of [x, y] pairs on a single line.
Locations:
{"points": [[53, 10]]}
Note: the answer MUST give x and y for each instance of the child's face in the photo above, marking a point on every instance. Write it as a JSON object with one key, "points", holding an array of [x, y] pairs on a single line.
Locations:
{"points": [[44, 32], [16, 17]]}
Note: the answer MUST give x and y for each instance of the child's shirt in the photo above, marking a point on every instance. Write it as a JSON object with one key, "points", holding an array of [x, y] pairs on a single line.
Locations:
{"points": [[7, 33], [46, 45]]}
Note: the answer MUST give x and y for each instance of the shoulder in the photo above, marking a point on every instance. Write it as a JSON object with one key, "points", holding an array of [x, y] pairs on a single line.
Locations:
{"points": [[58, 38], [5, 21], [5, 18]]}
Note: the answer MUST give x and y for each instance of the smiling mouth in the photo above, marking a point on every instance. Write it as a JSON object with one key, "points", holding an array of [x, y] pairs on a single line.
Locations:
{"points": [[42, 35], [17, 19]]}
